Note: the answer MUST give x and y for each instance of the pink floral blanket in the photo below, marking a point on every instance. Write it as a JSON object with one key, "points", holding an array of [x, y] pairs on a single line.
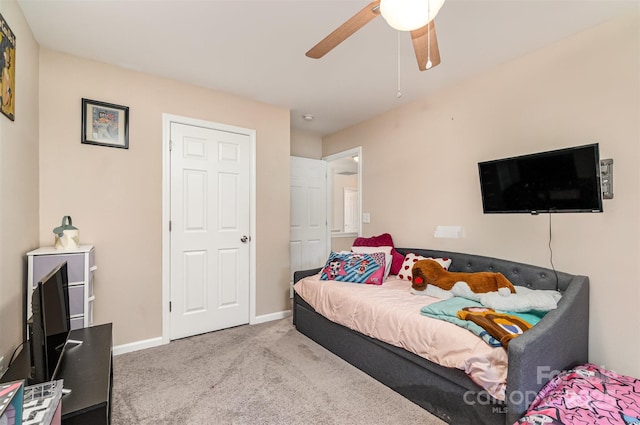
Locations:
{"points": [[586, 395]]}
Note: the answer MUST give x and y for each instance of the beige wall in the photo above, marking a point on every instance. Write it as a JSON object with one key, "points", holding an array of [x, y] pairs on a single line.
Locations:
{"points": [[18, 182], [306, 144], [342, 243], [584, 89], [115, 196]]}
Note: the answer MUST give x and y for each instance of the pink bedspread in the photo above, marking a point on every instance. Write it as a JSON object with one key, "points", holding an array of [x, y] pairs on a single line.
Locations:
{"points": [[390, 313]]}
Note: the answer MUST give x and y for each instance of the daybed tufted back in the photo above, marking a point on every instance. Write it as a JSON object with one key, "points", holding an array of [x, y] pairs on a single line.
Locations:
{"points": [[533, 277]]}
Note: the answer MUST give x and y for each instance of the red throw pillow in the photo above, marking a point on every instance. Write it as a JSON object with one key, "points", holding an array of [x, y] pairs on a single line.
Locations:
{"points": [[383, 240]]}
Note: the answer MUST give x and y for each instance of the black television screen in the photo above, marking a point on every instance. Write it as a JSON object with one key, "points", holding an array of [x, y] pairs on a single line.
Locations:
{"points": [[50, 323], [564, 180]]}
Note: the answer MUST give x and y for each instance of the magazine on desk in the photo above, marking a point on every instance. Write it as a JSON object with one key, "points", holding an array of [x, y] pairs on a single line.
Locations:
{"points": [[42, 404]]}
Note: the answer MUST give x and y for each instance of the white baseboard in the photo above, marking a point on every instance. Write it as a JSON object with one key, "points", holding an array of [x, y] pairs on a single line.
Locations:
{"points": [[138, 345], [155, 342], [271, 316]]}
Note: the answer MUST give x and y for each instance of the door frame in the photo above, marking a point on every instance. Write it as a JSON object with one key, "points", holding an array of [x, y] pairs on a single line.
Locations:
{"points": [[357, 151], [167, 119]]}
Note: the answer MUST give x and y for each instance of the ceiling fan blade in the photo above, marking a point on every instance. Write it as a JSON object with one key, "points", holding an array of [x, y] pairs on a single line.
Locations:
{"points": [[341, 33], [422, 38]]}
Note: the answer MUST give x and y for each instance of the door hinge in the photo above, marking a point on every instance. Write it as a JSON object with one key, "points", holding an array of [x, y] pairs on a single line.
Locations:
{"points": [[169, 225], [169, 306], [170, 145]]}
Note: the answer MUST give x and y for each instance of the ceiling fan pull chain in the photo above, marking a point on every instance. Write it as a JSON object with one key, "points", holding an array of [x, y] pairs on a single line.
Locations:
{"points": [[429, 63], [399, 93]]}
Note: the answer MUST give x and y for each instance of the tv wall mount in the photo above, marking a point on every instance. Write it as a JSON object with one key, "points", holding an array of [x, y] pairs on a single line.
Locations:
{"points": [[606, 173]]}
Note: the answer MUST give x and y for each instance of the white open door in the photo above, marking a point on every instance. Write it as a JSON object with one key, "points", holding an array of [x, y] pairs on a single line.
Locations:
{"points": [[309, 229]]}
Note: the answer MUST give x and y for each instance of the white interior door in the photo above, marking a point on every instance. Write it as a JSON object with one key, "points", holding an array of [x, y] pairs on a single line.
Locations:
{"points": [[210, 229], [308, 228]]}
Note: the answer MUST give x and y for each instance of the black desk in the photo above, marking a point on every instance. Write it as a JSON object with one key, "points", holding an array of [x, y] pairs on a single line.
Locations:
{"points": [[87, 370]]}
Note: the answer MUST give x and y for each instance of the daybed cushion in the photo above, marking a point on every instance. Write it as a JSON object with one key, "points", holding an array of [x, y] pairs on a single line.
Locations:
{"points": [[390, 313]]}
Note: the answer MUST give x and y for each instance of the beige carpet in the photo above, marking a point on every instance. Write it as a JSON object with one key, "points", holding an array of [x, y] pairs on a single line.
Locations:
{"points": [[259, 374]]}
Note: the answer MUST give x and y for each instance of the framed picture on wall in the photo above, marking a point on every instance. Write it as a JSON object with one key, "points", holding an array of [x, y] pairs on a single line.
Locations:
{"points": [[7, 66], [105, 124]]}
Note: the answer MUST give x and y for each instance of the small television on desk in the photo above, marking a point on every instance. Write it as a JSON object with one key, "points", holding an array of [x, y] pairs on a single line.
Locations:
{"points": [[563, 180], [50, 324]]}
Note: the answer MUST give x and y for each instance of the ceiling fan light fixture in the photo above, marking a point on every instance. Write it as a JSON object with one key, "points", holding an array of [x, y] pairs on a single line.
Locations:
{"points": [[409, 15]]}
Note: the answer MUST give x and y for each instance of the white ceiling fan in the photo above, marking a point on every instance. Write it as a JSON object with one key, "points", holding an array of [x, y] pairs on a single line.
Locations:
{"points": [[414, 16]]}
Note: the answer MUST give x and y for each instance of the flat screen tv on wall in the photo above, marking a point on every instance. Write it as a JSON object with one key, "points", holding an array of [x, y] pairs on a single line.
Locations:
{"points": [[563, 180]]}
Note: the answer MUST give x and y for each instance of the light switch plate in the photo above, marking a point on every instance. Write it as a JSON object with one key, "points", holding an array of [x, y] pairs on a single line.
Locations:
{"points": [[366, 218]]}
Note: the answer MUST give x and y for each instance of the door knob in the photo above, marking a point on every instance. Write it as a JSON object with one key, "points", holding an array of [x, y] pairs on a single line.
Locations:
{"points": [[245, 239]]}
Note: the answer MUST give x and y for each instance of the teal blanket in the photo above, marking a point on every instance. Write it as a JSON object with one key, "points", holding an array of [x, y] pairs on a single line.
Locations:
{"points": [[447, 310]]}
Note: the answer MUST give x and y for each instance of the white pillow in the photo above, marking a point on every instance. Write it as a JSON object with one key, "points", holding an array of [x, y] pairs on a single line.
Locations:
{"points": [[388, 258], [410, 259], [524, 299]]}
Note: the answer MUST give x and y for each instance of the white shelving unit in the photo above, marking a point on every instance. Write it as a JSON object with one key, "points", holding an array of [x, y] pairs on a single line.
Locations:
{"points": [[80, 270]]}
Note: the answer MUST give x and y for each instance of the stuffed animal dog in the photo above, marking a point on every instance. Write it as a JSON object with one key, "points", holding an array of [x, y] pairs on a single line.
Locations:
{"points": [[429, 272]]}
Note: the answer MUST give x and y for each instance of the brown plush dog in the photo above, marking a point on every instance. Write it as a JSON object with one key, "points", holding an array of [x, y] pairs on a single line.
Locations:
{"points": [[430, 272]]}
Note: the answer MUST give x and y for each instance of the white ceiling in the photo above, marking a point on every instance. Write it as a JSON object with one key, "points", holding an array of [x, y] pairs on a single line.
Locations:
{"points": [[256, 48]]}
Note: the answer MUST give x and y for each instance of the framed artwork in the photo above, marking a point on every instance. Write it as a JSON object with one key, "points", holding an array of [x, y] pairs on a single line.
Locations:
{"points": [[105, 124], [7, 65]]}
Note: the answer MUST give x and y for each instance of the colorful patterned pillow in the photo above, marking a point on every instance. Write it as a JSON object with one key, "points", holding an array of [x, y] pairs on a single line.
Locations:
{"points": [[383, 240], [355, 268], [388, 258], [410, 259]]}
